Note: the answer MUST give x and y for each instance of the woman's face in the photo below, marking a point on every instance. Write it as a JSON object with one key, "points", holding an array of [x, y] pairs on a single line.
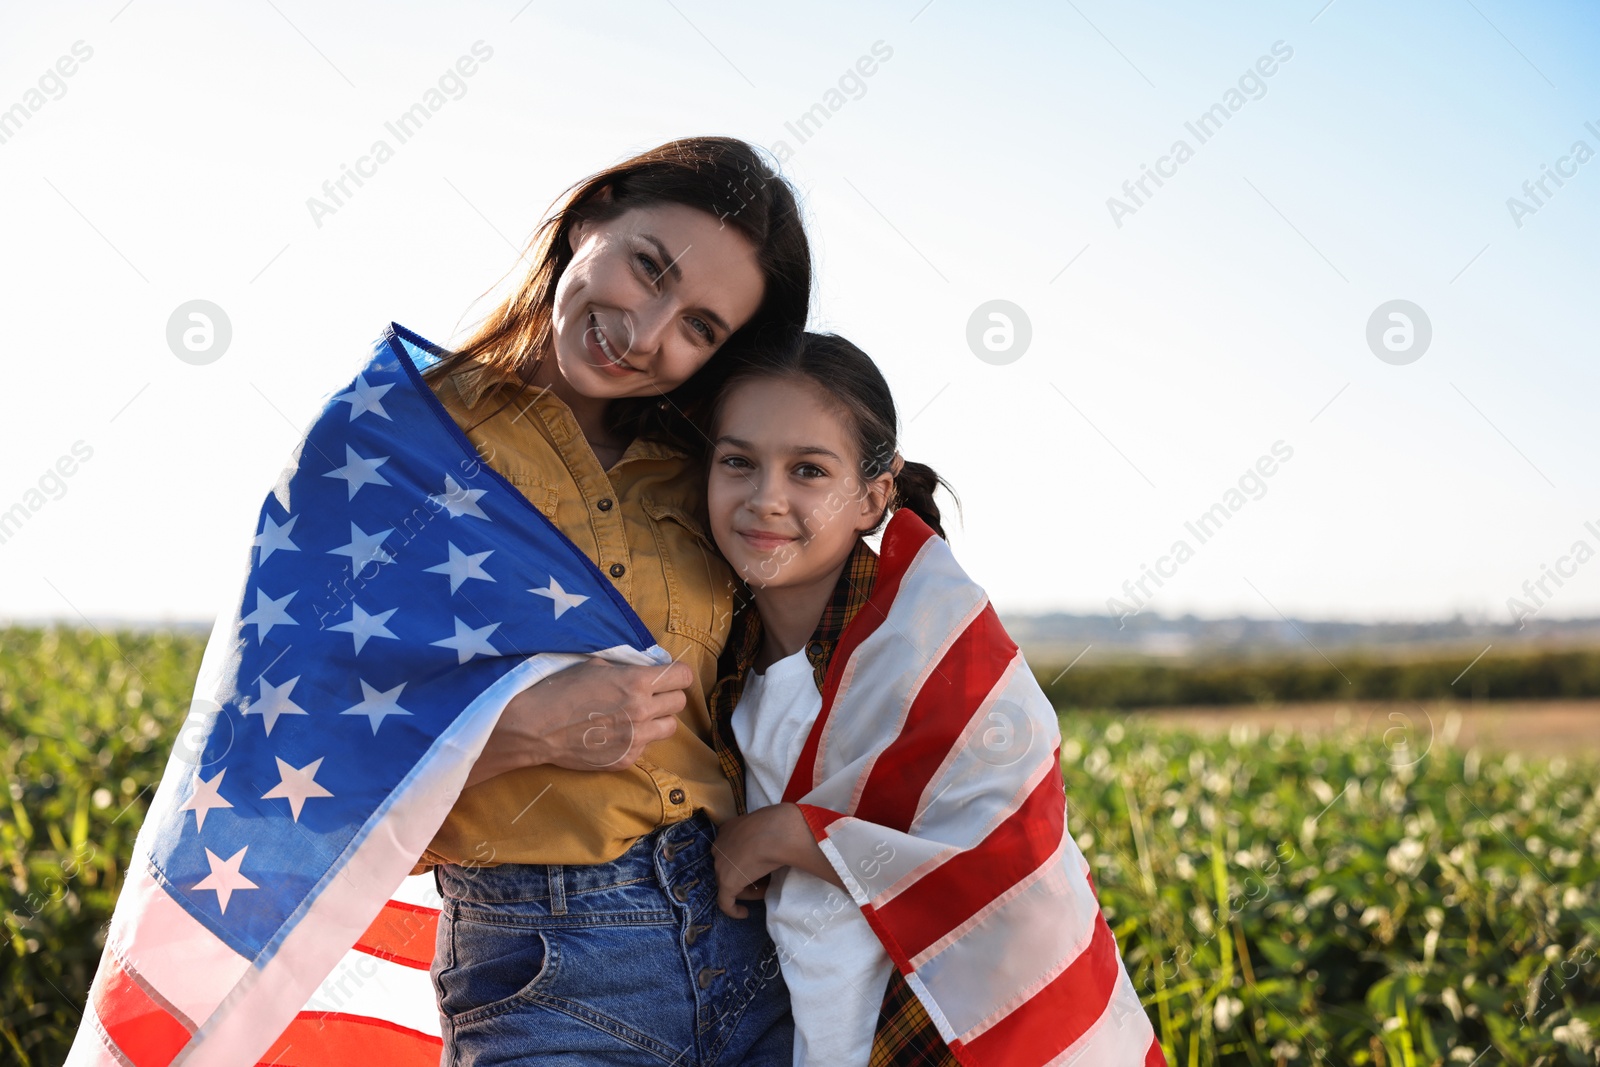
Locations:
{"points": [[648, 297]]}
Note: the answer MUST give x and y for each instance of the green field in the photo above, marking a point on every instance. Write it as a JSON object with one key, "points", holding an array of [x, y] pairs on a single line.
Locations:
{"points": [[1278, 900]]}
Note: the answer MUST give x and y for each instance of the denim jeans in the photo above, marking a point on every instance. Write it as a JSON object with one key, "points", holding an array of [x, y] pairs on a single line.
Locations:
{"points": [[627, 962]]}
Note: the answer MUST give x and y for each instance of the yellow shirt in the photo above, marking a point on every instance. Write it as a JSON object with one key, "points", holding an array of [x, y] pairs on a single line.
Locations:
{"points": [[643, 523]]}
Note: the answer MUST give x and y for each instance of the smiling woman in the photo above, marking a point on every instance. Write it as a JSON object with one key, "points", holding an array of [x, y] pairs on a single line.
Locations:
{"points": [[578, 917]]}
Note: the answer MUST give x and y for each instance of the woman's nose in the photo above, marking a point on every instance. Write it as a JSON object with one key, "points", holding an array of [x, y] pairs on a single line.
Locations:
{"points": [[650, 325]]}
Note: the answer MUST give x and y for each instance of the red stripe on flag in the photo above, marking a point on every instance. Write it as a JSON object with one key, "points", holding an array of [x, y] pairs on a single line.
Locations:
{"points": [[336, 1039], [951, 893], [402, 933], [969, 670], [1153, 1056], [902, 539], [146, 1033], [1060, 1013]]}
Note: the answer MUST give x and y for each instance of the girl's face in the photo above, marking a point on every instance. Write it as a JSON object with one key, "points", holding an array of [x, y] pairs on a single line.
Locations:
{"points": [[648, 297], [785, 492]]}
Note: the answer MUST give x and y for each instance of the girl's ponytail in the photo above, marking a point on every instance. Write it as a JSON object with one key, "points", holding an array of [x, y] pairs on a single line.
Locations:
{"points": [[913, 489]]}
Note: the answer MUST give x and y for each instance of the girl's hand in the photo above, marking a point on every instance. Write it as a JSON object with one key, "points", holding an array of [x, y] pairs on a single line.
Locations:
{"points": [[597, 715], [750, 847]]}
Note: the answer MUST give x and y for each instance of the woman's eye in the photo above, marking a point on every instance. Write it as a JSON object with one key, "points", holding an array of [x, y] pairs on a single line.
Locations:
{"points": [[810, 470], [701, 327], [652, 271], [733, 461]]}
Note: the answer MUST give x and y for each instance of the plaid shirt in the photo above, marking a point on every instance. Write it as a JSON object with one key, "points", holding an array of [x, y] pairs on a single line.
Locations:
{"points": [[905, 1034]]}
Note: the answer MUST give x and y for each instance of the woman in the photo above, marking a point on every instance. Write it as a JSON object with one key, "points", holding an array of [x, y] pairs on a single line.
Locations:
{"points": [[579, 921]]}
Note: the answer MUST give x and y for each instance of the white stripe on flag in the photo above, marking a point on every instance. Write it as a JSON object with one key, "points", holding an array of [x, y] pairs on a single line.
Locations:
{"points": [[363, 984], [419, 890], [1016, 949], [170, 949]]}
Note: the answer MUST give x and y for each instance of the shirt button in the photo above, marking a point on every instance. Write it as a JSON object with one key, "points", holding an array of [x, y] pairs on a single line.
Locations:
{"points": [[604, 505], [815, 648], [617, 569], [676, 796]]}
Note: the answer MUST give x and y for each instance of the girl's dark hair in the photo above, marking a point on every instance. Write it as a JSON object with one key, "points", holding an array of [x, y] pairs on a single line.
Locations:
{"points": [[849, 377], [723, 176]]}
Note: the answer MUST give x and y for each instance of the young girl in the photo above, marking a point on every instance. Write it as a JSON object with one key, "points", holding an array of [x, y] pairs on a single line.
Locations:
{"points": [[906, 816]]}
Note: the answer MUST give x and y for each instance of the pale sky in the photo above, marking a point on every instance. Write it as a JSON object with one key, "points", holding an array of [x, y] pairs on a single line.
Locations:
{"points": [[1171, 347]]}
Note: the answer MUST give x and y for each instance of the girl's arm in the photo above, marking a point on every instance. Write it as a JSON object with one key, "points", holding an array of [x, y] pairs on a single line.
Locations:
{"points": [[751, 846]]}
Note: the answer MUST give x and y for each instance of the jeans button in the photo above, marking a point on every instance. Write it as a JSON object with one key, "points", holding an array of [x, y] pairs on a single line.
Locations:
{"points": [[694, 933], [708, 973], [670, 849], [682, 891]]}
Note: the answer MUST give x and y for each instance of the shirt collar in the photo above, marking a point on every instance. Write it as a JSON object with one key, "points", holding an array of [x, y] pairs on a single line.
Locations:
{"points": [[850, 594], [475, 380]]}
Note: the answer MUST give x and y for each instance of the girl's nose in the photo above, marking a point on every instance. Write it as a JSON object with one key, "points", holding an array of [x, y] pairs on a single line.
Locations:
{"points": [[765, 497]]}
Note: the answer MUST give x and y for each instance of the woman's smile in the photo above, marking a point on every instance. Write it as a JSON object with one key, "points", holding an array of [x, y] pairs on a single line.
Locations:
{"points": [[604, 357]]}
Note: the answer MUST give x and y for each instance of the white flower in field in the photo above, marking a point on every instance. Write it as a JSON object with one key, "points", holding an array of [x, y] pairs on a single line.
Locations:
{"points": [[1407, 857], [1572, 898], [1226, 1010], [1321, 790], [1184, 866], [1320, 896], [1575, 1033], [1463, 1054], [1285, 1051], [1374, 914]]}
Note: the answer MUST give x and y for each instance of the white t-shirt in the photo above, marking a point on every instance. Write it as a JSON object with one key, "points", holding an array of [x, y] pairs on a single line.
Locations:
{"points": [[832, 962]]}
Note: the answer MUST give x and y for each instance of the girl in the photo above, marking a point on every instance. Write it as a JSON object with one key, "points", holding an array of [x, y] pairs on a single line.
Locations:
{"points": [[578, 920], [906, 828]]}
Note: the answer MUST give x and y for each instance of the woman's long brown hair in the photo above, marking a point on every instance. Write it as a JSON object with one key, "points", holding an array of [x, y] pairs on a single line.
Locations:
{"points": [[722, 176]]}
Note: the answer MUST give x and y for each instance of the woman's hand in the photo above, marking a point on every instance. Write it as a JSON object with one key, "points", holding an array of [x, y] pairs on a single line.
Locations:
{"points": [[750, 847], [595, 716]]}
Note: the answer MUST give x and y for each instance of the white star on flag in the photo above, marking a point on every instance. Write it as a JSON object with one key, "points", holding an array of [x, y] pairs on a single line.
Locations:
{"points": [[225, 877], [364, 627], [359, 470], [375, 705], [469, 642], [268, 613], [296, 786], [562, 599], [462, 566], [364, 548], [274, 701], [275, 538], [459, 500], [206, 797], [363, 398]]}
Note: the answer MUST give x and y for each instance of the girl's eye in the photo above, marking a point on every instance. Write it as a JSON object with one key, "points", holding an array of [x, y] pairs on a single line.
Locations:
{"points": [[810, 470], [704, 329], [652, 271], [733, 461]]}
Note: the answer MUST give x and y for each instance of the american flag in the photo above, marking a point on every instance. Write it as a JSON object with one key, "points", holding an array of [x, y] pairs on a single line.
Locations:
{"points": [[931, 779], [398, 593]]}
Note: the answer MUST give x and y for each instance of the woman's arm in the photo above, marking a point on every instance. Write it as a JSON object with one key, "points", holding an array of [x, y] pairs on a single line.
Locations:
{"points": [[595, 716], [751, 846]]}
